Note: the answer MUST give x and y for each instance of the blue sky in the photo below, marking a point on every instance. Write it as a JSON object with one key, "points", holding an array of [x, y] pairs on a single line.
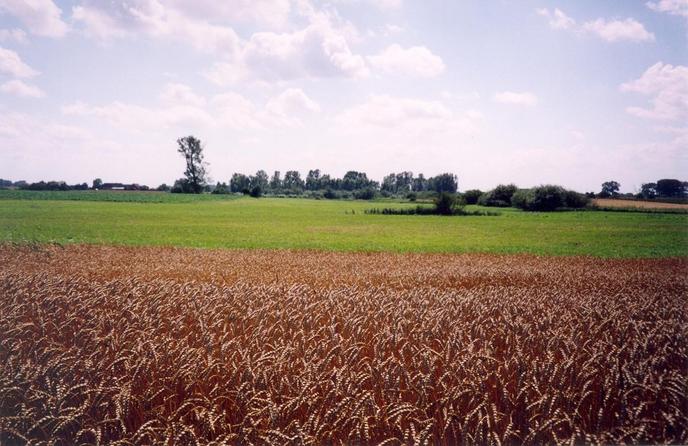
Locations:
{"points": [[527, 91]]}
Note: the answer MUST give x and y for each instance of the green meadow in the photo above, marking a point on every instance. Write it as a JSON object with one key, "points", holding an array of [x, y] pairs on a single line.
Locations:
{"points": [[207, 221]]}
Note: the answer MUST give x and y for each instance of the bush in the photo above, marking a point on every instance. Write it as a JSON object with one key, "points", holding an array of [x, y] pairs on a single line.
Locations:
{"points": [[547, 198], [471, 196], [447, 204], [256, 192], [500, 196], [411, 196], [520, 198], [330, 194], [576, 200], [364, 194]]}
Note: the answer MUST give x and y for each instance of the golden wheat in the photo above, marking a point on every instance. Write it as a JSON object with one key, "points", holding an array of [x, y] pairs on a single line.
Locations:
{"points": [[100, 345]]}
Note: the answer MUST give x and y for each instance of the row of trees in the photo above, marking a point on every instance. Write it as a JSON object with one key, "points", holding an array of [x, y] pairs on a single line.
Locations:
{"points": [[664, 188], [540, 198], [352, 181]]}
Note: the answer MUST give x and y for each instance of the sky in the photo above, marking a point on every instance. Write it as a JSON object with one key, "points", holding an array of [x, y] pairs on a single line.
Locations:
{"points": [[525, 91]]}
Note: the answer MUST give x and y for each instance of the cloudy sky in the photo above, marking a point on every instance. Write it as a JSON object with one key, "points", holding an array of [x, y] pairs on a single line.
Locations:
{"points": [[524, 91]]}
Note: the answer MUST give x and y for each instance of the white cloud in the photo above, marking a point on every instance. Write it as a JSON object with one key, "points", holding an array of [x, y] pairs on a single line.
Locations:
{"points": [[383, 5], [414, 61], [271, 13], [20, 88], [610, 30], [668, 87], [321, 49], [526, 99], [673, 7], [11, 63], [557, 19], [180, 94], [180, 106], [618, 30], [387, 4], [140, 118], [290, 102], [155, 19], [408, 116], [15, 35], [41, 17], [393, 29]]}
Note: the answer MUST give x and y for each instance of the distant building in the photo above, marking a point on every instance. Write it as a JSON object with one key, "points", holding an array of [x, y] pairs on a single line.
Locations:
{"points": [[122, 186]]}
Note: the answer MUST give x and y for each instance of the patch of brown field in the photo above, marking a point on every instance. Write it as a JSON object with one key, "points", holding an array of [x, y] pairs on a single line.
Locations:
{"points": [[182, 346], [640, 204]]}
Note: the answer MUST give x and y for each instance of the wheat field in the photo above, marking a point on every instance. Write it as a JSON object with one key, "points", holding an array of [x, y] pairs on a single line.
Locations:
{"points": [[104, 345]]}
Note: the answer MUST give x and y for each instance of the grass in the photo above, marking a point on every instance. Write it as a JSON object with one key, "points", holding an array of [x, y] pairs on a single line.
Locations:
{"points": [[272, 223], [113, 196]]}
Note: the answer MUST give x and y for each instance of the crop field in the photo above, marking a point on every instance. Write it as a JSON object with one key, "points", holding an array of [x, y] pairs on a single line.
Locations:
{"points": [[639, 204], [339, 225], [185, 346]]}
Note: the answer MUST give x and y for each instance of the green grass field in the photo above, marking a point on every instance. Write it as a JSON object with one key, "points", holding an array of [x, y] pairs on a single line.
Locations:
{"points": [[217, 222]]}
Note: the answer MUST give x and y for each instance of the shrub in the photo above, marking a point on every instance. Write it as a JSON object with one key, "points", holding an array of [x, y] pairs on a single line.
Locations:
{"points": [[256, 192], [547, 198], [364, 194], [330, 194], [520, 198], [411, 196], [447, 204], [471, 196], [500, 196], [576, 200]]}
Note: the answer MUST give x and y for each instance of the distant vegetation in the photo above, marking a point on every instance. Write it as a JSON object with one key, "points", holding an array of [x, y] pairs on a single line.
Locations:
{"points": [[441, 189]]}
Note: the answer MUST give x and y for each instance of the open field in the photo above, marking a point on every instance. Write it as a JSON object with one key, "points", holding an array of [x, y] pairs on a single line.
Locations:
{"points": [[276, 347], [341, 226], [639, 204], [111, 196]]}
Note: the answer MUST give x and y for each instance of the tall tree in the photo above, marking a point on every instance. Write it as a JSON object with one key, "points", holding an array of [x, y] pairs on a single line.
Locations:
{"points": [[313, 180], [610, 189], [444, 182], [260, 180], [275, 182], [292, 181], [668, 187], [240, 183], [195, 174]]}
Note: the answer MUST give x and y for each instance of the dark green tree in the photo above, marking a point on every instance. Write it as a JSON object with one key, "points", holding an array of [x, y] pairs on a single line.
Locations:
{"points": [[195, 173], [669, 188], [610, 189], [240, 183]]}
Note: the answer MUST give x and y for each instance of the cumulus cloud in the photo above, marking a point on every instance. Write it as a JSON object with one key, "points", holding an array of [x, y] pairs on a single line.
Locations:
{"points": [[41, 17], [271, 13], [321, 49], [673, 7], [13, 35], [628, 29], [11, 63], [107, 20], [667, 87], [414, 61], [557, 19], [408, 117], [618, 30], [180, 94], [20, 88], [526, 98], [290, 102], [180, 106]]}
